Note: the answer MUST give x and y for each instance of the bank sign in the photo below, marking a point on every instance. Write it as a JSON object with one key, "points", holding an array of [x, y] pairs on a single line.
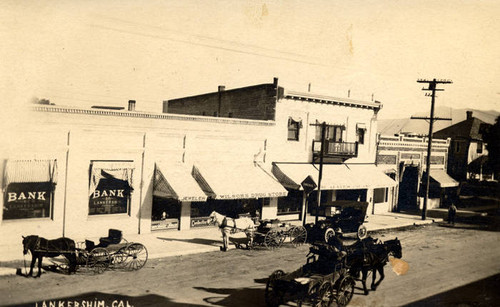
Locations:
{"points": [[27, 200], [110, 196]]}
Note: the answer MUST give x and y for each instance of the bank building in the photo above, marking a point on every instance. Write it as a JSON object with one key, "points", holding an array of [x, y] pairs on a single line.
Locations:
{"points": [[77, 172]]}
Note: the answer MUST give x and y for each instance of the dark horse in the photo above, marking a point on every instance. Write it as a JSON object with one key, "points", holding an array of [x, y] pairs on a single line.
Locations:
{"points": [[371, 255], [40, 247]]}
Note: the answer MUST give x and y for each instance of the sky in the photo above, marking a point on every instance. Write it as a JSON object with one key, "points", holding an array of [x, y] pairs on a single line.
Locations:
{"points": [[84, 53]]}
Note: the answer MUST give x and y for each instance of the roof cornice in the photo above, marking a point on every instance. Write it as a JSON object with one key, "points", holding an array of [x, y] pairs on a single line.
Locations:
{"points": [[332, 100], [157, 116]]}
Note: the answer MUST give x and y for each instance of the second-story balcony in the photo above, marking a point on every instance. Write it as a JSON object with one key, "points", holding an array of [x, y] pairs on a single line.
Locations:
{"points": [[335, 151]]}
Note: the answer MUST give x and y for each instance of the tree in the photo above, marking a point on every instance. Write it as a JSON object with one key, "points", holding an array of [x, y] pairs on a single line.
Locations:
{"points": [[492, 138]]}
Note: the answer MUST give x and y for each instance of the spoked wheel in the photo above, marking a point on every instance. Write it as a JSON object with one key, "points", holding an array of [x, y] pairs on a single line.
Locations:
{"points": [[298, 235], [324, 295], [98, 260], [273, 239], [329, 233], [272, 295], [362, 232], [345, 291], [137, 255], [118, 259]]}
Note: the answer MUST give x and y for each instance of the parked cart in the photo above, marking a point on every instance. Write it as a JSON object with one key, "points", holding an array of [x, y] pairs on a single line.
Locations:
{"points": [[273, 233], [113, 251]]}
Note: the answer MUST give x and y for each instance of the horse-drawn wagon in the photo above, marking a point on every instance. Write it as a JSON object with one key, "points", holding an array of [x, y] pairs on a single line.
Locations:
{"points": [[323, 280], [112, 251], [268, 233], [346, 216], [273, 233]]}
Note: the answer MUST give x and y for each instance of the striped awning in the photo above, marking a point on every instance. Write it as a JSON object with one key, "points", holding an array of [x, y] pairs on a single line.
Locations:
{"points": [[334, 176], [24, 171], [174, 180], [237, 180]]}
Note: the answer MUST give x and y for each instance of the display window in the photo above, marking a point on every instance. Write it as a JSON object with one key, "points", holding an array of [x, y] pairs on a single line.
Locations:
{"points": [[110, 187], [29, 187]]}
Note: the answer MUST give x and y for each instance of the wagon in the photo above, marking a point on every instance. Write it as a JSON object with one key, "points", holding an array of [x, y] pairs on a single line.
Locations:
{"points": [[348, 216], [322, 281], [112, 251], [272, 234]]}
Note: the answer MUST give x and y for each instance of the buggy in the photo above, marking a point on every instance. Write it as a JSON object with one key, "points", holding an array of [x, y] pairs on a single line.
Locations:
{"points": [[322, 281], [348, 216]]}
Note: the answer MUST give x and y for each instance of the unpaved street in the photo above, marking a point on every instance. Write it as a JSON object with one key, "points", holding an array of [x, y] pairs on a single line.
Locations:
{"points": [[442, 260]]}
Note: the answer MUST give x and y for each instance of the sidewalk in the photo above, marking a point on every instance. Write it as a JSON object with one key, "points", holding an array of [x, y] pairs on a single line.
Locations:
{"points": [[178, 243]]}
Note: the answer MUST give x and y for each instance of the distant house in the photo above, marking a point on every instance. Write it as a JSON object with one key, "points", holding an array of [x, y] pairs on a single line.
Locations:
{"points": [[467, 154]]}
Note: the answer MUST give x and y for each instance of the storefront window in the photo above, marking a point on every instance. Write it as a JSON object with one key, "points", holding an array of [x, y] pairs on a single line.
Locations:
{"points": [[28, 200], [165, 213], [291, 204], [110, 187], [379, 195], [29, 189]]}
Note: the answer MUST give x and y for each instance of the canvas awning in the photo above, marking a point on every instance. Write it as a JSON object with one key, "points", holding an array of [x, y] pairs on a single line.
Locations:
{"points": [[174, 180], [24, 171], [238, 180], [371, 175], [334, 176], [441, 177]]}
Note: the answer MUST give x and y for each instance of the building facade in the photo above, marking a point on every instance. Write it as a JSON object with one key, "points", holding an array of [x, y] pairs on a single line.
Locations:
{"points": [[467, 157], [77, 172], [404, 159]]}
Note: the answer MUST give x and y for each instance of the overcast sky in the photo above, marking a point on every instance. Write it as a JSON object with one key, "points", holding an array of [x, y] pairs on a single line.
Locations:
{"points": [[84, 53]]}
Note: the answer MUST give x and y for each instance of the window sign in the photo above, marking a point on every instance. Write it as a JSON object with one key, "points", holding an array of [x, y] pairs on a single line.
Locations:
{"points": [[110, 188], [29, 189], [28, 200]]}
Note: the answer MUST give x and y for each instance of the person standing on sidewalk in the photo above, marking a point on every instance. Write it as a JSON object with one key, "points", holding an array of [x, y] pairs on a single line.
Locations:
{"points": [[452, 212]]}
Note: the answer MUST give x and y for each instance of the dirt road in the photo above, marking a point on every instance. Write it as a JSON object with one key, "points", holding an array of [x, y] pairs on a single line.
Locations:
{"points": [[447, 266]]}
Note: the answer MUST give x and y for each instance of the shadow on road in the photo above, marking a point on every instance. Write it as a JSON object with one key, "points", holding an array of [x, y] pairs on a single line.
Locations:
{"points": [[483, 292], [194, 240], [235, 297], [107, 299]]}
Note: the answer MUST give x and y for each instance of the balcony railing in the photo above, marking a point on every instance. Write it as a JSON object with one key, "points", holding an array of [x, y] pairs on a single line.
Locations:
{"points": [[336, 149]]}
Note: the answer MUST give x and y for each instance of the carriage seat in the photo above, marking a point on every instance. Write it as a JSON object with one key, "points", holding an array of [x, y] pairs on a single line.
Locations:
{"points": [[114, 237]]}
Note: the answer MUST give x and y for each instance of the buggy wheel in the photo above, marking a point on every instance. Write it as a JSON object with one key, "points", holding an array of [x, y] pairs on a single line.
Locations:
{"points": [[98, 260], [137, 255], [118, 258], [329, 233], [272, 295], [273, 239], [345, 290], [324, 295], [362, 232], [298, 235]]}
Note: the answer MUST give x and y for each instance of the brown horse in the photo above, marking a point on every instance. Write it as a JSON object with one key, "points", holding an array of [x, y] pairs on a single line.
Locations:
{"points": [[40, 247]]}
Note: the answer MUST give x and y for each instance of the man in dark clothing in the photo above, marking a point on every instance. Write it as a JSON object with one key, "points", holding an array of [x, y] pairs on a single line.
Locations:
{"points": [[452, 211]]}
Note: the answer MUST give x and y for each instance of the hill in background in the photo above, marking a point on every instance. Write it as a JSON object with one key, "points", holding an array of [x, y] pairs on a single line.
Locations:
{"points": [[421, 127]]}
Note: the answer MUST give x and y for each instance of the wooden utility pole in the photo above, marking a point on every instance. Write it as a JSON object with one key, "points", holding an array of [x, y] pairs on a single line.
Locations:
{"points": [[432, 87], [320, 175]]}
